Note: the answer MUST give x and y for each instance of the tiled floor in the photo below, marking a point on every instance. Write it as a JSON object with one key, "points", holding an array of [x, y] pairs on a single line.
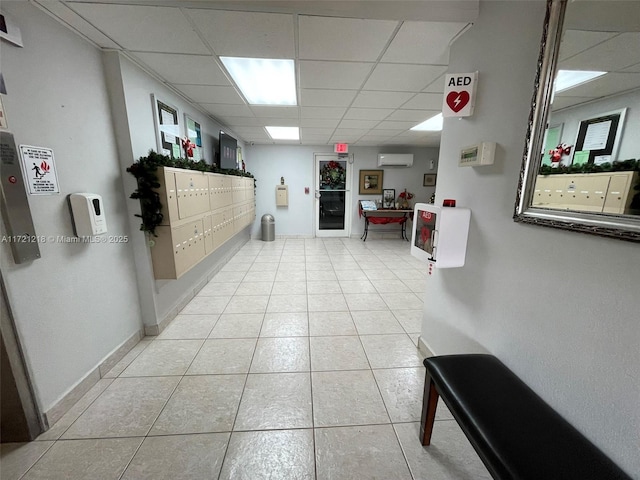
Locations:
{"points": [[297, 361]]}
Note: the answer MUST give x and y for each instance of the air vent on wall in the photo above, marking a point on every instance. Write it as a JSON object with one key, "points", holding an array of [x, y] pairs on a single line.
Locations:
{"points": [[395, 159]]}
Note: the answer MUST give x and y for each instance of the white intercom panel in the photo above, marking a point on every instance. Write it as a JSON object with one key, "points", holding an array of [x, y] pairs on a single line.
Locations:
{"points": [[282, 196], [87, 211], [477, 155]]}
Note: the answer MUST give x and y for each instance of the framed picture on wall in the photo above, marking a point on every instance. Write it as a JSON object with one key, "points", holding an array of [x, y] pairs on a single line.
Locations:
{"points": [[388, 198], [429, 180], [598, 138], [167, 125], [371, 182], [194, 134]]}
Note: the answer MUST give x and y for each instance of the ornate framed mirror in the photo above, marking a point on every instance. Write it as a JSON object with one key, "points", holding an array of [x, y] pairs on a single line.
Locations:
{"points": [[581, 164]]}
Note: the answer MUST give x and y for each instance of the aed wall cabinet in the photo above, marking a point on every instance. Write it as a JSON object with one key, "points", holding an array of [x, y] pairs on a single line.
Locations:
{"points": [[201, 212], [440, 234]]}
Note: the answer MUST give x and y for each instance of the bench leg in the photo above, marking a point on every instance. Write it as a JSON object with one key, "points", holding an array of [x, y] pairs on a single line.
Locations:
{"points": [[429, 404]]}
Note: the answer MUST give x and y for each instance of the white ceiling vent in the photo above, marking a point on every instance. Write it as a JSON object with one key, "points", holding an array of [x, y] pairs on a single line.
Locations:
{"points": [[395, 159]]}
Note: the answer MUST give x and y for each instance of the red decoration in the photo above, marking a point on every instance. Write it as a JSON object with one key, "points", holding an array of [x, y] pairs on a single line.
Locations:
{"points": [[188, 146], [458, 100], [558, 152]]}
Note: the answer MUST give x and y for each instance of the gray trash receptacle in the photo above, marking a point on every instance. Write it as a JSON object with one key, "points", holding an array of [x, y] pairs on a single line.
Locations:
{"points": [[268, 228]]}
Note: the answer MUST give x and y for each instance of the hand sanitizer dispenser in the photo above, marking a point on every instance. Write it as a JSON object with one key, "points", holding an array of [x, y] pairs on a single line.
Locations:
{"points": [[87, 211]]}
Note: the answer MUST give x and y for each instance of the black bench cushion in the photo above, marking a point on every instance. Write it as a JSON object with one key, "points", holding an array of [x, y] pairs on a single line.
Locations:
{"points": [[516, 434]]}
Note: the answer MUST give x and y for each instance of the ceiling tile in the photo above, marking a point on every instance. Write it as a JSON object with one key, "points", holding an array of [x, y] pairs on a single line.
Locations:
{"points": [[564, 102], [332, 38], [381, 99], [609, 56], [396, 125], [211, 94], [319, 122], [184, 69], [333, 75], [322, 112], [243, 121], [326, 98], [344, 139], [387, 132], [633, 68], [358, 124], [320, 139], [576, 41], [280, 122], [412, 115], [437, 86], [219, 110], [605, 85], [271, 111], [144, 28], [424, 101], [317, 131], [402, 77], [246, 34], [249, 130], [368, 113], [423, 42]]}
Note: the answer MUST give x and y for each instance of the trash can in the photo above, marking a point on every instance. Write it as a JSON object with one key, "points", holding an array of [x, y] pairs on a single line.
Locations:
{"points": [[268, 228]]}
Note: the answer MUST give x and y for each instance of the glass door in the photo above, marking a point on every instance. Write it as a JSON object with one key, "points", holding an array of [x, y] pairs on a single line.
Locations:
{"points": [[333, 195]]}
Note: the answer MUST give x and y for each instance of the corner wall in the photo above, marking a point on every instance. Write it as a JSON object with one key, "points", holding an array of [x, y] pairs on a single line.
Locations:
{"points": [[559, 308], [130, 90], [78, 303]]}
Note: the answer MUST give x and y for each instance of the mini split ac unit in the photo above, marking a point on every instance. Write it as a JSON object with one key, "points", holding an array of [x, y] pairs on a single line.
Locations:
{"points": [[395, 159]]}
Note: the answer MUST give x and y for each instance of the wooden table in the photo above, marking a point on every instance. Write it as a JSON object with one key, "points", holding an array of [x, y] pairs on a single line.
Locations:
{"points": [[384, 216]]}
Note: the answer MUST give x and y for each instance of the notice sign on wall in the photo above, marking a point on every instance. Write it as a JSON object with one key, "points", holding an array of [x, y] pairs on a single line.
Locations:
{"points": [[39, 170], [459, 94]]}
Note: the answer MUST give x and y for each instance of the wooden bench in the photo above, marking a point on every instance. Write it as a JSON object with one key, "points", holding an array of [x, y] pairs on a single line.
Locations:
{"points": [[515, 433]]}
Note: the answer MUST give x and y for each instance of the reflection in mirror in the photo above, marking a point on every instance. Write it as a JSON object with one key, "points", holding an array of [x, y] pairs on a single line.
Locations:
{"points": [[582, 166]]}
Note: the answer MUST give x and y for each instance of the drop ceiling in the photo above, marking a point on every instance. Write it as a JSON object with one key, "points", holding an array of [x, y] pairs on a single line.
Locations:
{"points": [[366, 71]]}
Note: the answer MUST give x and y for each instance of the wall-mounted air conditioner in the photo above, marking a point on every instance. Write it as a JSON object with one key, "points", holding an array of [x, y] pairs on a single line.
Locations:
{"points": [[395, 159]]}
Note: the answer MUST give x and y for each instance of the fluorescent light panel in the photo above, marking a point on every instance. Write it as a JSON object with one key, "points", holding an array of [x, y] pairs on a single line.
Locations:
{"points": [[566, 79], [284, 133], [434, 124], [264, 81]]}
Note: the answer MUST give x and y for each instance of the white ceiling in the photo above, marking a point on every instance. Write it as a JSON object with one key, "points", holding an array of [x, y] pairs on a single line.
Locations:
{"points": [[602, 36], [365, 74], [367, 71]]}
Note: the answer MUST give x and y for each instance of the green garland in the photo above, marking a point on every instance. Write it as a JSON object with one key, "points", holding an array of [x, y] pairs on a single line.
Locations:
{"points": [[145, 172], [618, 166]]}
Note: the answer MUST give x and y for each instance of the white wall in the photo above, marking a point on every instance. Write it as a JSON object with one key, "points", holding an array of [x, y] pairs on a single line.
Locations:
{"points": [[629, 143], [295, 163], [77, 303], [559, 308], [130, 90]]}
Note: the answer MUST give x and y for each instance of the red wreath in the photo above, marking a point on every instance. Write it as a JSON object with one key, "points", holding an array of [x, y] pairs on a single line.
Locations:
{"points": [[188, 146], [557, 153]]}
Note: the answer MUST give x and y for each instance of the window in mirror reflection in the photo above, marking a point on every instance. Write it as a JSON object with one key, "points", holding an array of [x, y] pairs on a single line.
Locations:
{"points": [[590, 160]]}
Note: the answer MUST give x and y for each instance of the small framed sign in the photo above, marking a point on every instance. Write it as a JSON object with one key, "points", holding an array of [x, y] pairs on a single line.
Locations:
{"points": [[429, 180]]}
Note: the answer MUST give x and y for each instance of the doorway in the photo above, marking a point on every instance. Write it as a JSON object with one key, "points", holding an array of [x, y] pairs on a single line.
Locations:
{"points": [[333, 195], [20, 419]]}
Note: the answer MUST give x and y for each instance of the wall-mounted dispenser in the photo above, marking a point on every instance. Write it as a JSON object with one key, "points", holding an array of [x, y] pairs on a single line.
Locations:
{"points": [[87, 212], [282, 195]]}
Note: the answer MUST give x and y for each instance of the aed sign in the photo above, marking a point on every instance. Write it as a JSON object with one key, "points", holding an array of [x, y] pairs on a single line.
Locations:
{"points": [[459, 94]]}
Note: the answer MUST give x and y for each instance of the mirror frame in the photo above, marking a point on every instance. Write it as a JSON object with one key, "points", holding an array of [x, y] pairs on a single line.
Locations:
{"points": [[623, 227]]}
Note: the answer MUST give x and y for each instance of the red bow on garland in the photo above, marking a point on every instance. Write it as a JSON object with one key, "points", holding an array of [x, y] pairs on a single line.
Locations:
{"points": [[188, 146]]}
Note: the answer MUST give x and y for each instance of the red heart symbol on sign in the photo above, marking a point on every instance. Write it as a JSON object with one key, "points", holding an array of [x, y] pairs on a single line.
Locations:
{"points": [[457, 100]]}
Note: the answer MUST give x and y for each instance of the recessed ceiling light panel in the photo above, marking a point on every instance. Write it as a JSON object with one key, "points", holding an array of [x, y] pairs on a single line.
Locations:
{"points": [[434, 124], [567, 79], [284, 133], [264, 81]]}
